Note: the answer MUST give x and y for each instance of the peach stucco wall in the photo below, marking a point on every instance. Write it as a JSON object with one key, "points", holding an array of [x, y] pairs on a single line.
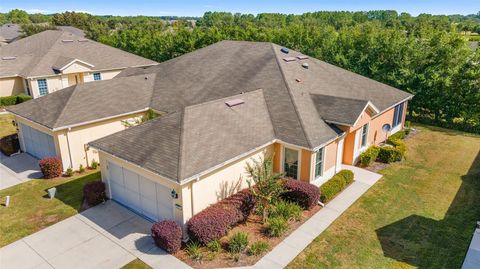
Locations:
{"points": [[306, 163], [330, 155]]}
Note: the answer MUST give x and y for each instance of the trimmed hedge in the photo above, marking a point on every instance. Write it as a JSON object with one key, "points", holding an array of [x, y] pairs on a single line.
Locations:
{"points": [[51, 167], [394, 153], [335, 185], [13, 100], [304, 194], [167, 235], [216, 220], [94, 193], [369, 156]]}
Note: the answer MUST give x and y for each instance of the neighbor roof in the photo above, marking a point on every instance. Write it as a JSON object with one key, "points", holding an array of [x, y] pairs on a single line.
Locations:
{"points": [[39, 54], [189, 87], [9, 32]]}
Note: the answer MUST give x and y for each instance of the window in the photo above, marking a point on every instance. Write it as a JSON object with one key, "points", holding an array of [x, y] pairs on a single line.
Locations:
{"points": [[320, 155], [290, 162], [42, 87], [28, 87], [398, 115], [97, 76], [364, 135]]}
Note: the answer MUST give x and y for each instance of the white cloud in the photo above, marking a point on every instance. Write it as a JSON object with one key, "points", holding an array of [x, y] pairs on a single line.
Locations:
{"points": [[36, 10]]}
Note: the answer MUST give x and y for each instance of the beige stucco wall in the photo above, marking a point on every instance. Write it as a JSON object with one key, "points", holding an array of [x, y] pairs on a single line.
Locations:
{"points": [[11, 86], [79, 136], [76, 68]]}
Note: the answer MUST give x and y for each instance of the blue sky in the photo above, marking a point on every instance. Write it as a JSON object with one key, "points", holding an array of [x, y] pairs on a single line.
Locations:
{"points": [[198, 7]]}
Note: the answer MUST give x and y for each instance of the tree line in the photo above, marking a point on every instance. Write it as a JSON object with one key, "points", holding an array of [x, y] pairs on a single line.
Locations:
{"points": [[429, 56]]}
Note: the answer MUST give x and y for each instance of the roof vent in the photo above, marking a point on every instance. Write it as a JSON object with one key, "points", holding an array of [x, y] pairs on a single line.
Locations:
{"points": [[83, 40], [67, 40], [302, 57], [289, 59], [284, 50], [305, 65], [234, 102], [9, 58]]}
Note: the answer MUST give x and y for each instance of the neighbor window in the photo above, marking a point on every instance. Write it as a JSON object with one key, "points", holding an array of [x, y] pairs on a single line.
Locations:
{"points": [[290, 162], [364, 135], [398, 115], [42, 87], [320, 155], [97, 76]]}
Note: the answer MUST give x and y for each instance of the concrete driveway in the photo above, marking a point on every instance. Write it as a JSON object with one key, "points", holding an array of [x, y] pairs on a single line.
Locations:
{"points": [[106, 236], [17, 169]]}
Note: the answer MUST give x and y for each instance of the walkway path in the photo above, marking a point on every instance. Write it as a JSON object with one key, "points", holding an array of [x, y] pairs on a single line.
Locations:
{"points": [[17, 169], [472, 260]]}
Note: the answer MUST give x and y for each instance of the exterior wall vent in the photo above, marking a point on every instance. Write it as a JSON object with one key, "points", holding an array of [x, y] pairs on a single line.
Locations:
{"points": [[67, 40], [289, 59], [284, 50], [302, 57], [9, 58], [234, 102]]}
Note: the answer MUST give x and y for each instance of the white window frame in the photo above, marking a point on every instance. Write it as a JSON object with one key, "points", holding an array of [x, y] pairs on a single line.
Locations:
{"points": [[366, 125], [99, 76], [397, 116], [282, 159], [46, 86], [322, 172]]}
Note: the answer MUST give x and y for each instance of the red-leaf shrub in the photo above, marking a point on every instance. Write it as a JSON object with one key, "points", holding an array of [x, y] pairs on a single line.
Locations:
{"points": [[167, 235], [214, 221], [51, 167], [94, 192], [304, 194]]}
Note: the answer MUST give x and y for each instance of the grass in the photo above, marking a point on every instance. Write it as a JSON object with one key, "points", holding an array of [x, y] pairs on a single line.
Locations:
{"points": [[136, 264], [6, 126], [420, 215], [31, 210]]}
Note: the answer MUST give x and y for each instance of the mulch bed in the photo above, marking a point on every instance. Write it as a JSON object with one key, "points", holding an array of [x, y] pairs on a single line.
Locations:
{"points": [[255, 230]]}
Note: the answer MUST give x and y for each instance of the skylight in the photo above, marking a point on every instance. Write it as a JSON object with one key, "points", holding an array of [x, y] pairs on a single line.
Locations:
{"points": [[234, 102], [302, 57], [289, 59], [67, 40], [9, 58]]}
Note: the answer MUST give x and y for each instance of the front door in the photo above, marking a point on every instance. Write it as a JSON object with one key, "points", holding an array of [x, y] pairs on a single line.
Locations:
{"points": [[290, 163], [74, 79]]}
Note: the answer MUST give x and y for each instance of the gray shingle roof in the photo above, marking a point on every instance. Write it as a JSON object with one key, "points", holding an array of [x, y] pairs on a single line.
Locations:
{"points": [[198, 132], [38, 54], [182, 144], [9, 32], [338, 109]]}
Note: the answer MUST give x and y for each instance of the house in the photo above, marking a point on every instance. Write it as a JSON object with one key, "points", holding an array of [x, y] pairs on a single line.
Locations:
{"points": [[221, 106], [52, 60]]}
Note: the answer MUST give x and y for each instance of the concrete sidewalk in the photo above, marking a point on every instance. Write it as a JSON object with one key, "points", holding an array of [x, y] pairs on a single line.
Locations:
{"points": [[472, 260], [18, 169]]}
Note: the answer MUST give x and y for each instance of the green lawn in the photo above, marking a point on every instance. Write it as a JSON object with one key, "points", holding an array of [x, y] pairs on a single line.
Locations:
{"points": [[31, 210], [6, 126], [136, 264], [420, 215]]}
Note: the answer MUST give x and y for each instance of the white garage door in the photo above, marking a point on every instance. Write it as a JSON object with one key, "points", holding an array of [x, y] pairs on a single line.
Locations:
{"points": [[37, 143], [139, 193]]}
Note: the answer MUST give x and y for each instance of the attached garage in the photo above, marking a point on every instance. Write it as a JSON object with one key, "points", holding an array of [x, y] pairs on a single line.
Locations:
{"points": [[140, 194], [37, 143]]}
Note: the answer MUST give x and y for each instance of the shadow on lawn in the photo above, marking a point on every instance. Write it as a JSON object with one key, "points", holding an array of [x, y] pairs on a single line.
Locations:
{"points": [[428, 243]]}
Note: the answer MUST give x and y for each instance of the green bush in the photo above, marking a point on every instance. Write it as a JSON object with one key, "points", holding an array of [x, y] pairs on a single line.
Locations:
{"points": [[23, 98], [389, 154], [335, 185], [238, 242], [8, 100], [193, 250], [214, 246], [369, 156], [287, 210], [81, 169], [69, 172], [398, 135], [276, 226], [94, 164], [258, 248]]}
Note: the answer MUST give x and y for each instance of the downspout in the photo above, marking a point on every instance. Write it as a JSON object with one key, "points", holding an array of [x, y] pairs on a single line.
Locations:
{"points": [[68, 146]]}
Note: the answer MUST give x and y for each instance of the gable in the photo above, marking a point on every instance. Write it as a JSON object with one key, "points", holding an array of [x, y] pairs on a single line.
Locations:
{"points": [[74, 66]]}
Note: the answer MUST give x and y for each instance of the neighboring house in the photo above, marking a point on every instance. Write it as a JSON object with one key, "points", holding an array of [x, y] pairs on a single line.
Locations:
{"points": [[9, 32], [52, 60], [221, 106]]}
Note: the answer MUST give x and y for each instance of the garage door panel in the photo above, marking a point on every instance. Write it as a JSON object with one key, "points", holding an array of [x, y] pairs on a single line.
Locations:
{"points": [[147, 188], [131, 180], [164, 202], [37, 143], [118, 192], [133, 200], [116, 173]]}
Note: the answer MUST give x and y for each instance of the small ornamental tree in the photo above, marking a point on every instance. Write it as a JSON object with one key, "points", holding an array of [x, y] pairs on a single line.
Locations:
{"points": [[51, 167], [264, 184]]}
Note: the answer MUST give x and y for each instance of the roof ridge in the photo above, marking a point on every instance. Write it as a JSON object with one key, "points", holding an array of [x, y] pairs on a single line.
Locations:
{"points": [[341, 97], [74, 90], [44, 54], [289, 90], [180, 146]]}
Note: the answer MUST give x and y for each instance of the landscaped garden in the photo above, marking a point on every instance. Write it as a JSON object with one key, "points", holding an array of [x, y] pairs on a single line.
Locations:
{"points": [[420, 215], [31, 209]]}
